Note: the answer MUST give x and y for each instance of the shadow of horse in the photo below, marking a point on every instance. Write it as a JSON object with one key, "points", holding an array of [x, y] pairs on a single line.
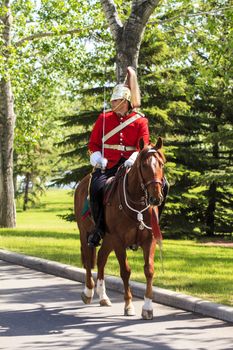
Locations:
{"points": [[131, 217]]}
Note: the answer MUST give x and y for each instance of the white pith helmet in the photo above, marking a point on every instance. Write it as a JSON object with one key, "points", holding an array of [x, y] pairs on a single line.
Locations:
{"points": [[121, 91], [129, 90]]}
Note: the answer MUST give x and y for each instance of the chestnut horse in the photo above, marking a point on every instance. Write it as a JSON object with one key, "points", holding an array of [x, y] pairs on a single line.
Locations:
{"points": [[128, 217]]}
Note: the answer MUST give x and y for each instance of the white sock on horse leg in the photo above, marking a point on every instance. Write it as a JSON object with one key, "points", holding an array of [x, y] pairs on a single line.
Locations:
{"points": [[100, 289], [89, 292], [147, 304]]}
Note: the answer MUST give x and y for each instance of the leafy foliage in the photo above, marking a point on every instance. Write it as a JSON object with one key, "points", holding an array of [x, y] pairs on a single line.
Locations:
{"points": [[61, 62], [187, 95]]}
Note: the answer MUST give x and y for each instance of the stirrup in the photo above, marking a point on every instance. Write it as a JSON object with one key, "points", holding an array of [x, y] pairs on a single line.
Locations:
{"points": [[94, 239], [133, 247]]}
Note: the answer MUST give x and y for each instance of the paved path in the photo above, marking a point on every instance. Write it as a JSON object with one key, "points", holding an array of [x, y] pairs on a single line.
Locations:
{"points": [[40, 312]]}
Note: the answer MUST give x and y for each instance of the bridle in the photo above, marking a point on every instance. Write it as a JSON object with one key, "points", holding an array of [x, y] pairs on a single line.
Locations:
{"points": [[144, 188], [144, 185]]}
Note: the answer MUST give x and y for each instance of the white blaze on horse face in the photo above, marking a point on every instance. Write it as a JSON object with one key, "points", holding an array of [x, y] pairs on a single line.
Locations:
{"points": [[155, 174], [154, 165]]}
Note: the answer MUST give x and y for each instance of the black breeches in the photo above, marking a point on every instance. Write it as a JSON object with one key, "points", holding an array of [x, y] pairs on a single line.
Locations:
{"points": [[98, 181]]}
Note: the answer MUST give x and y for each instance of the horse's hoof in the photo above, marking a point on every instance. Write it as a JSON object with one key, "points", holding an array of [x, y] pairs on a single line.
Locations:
{"points": [[85, 299], [147, 314], [105, 302], [130, 311]]}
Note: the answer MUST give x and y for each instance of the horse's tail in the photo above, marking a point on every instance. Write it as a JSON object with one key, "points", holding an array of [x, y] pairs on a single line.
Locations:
{"points": [[88, 256]]}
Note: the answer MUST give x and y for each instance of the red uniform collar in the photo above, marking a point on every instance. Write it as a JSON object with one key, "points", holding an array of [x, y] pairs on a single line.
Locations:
{"points": [[126, 115]]}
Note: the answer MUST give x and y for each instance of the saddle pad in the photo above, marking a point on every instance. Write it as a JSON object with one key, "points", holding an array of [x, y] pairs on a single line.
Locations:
{"points": [[86, 211]]}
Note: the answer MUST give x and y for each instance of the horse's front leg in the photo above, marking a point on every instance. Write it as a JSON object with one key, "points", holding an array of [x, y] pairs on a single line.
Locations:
{"points": [[88, 291], [149, 252], [125, 272], [102, 257]]}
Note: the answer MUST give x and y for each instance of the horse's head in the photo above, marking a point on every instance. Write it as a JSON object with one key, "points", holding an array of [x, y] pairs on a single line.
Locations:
{"points": [[150, 165]]}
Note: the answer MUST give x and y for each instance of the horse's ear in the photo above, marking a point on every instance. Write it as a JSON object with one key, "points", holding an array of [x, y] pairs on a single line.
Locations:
{"points": [[159, 143], [141, 144]]}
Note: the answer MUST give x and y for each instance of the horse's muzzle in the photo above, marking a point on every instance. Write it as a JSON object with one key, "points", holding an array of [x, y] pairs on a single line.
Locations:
{"points": [[156, 201]]}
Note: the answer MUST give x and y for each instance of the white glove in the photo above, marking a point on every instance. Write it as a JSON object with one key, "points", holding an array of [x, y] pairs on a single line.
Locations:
{"points": [[97, 159], [103, 162], [129, 162]]}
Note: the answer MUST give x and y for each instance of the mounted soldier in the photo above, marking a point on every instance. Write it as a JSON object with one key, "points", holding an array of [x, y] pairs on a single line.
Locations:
{"points": [[115, 141]]}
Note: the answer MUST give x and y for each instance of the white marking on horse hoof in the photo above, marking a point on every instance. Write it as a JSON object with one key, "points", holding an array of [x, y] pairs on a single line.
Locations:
{"points": [[85, 299], [105, 302], [147, 314], [130, 311]]}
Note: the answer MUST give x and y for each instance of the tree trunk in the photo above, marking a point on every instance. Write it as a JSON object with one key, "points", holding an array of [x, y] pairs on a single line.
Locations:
{"points": [[212, 193], [210, 212], [7, 124], [26, 191], [128, 36]]}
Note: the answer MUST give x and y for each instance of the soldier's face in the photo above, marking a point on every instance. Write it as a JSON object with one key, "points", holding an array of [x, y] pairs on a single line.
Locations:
{"points": [[120, 106]]}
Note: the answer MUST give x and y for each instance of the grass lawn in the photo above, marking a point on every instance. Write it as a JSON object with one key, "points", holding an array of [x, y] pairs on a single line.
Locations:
{"points": [[189, 267]]}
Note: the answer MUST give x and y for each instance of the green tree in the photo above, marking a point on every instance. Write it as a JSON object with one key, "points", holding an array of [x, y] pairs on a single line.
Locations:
{"points": [[31, 34], [182, 89], [199, 127]]}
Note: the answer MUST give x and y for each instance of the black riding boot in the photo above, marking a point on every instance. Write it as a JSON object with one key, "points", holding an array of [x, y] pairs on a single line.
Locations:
{"points": [[97, 234]]}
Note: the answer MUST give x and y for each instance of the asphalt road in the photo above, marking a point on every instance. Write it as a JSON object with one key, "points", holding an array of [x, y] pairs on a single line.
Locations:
{"points": [[40, 311]]}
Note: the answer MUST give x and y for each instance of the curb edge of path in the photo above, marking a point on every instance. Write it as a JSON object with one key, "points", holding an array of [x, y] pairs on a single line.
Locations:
{"points": [[160, 295]]}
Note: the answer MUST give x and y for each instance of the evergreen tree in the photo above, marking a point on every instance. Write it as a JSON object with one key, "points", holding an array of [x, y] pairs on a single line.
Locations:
{"points": [[193, 96], [188, 100]]}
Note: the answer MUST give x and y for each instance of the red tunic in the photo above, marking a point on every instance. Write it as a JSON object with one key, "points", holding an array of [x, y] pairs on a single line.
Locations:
{"points": [[129, 136]]}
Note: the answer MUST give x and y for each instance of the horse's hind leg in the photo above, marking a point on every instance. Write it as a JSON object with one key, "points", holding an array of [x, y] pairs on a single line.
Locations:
{"points": [[102, 257], [88, 258], [125, 272], [149, 252], [85, 226]]}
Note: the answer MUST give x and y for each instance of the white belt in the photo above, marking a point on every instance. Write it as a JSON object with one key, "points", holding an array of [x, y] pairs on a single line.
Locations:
{"points": [[120, 147]]}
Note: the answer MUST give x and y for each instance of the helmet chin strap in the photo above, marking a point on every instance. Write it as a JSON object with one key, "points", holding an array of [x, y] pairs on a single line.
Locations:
{"points": [[119, 104]]}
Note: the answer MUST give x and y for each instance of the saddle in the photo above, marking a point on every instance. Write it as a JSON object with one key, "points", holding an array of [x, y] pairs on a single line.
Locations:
{"points": [[111, 184], [109, 188]]}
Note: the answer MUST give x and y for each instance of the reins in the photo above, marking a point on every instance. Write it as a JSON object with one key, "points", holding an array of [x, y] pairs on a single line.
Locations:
{"points": [[144, 186], [139, 212]]}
